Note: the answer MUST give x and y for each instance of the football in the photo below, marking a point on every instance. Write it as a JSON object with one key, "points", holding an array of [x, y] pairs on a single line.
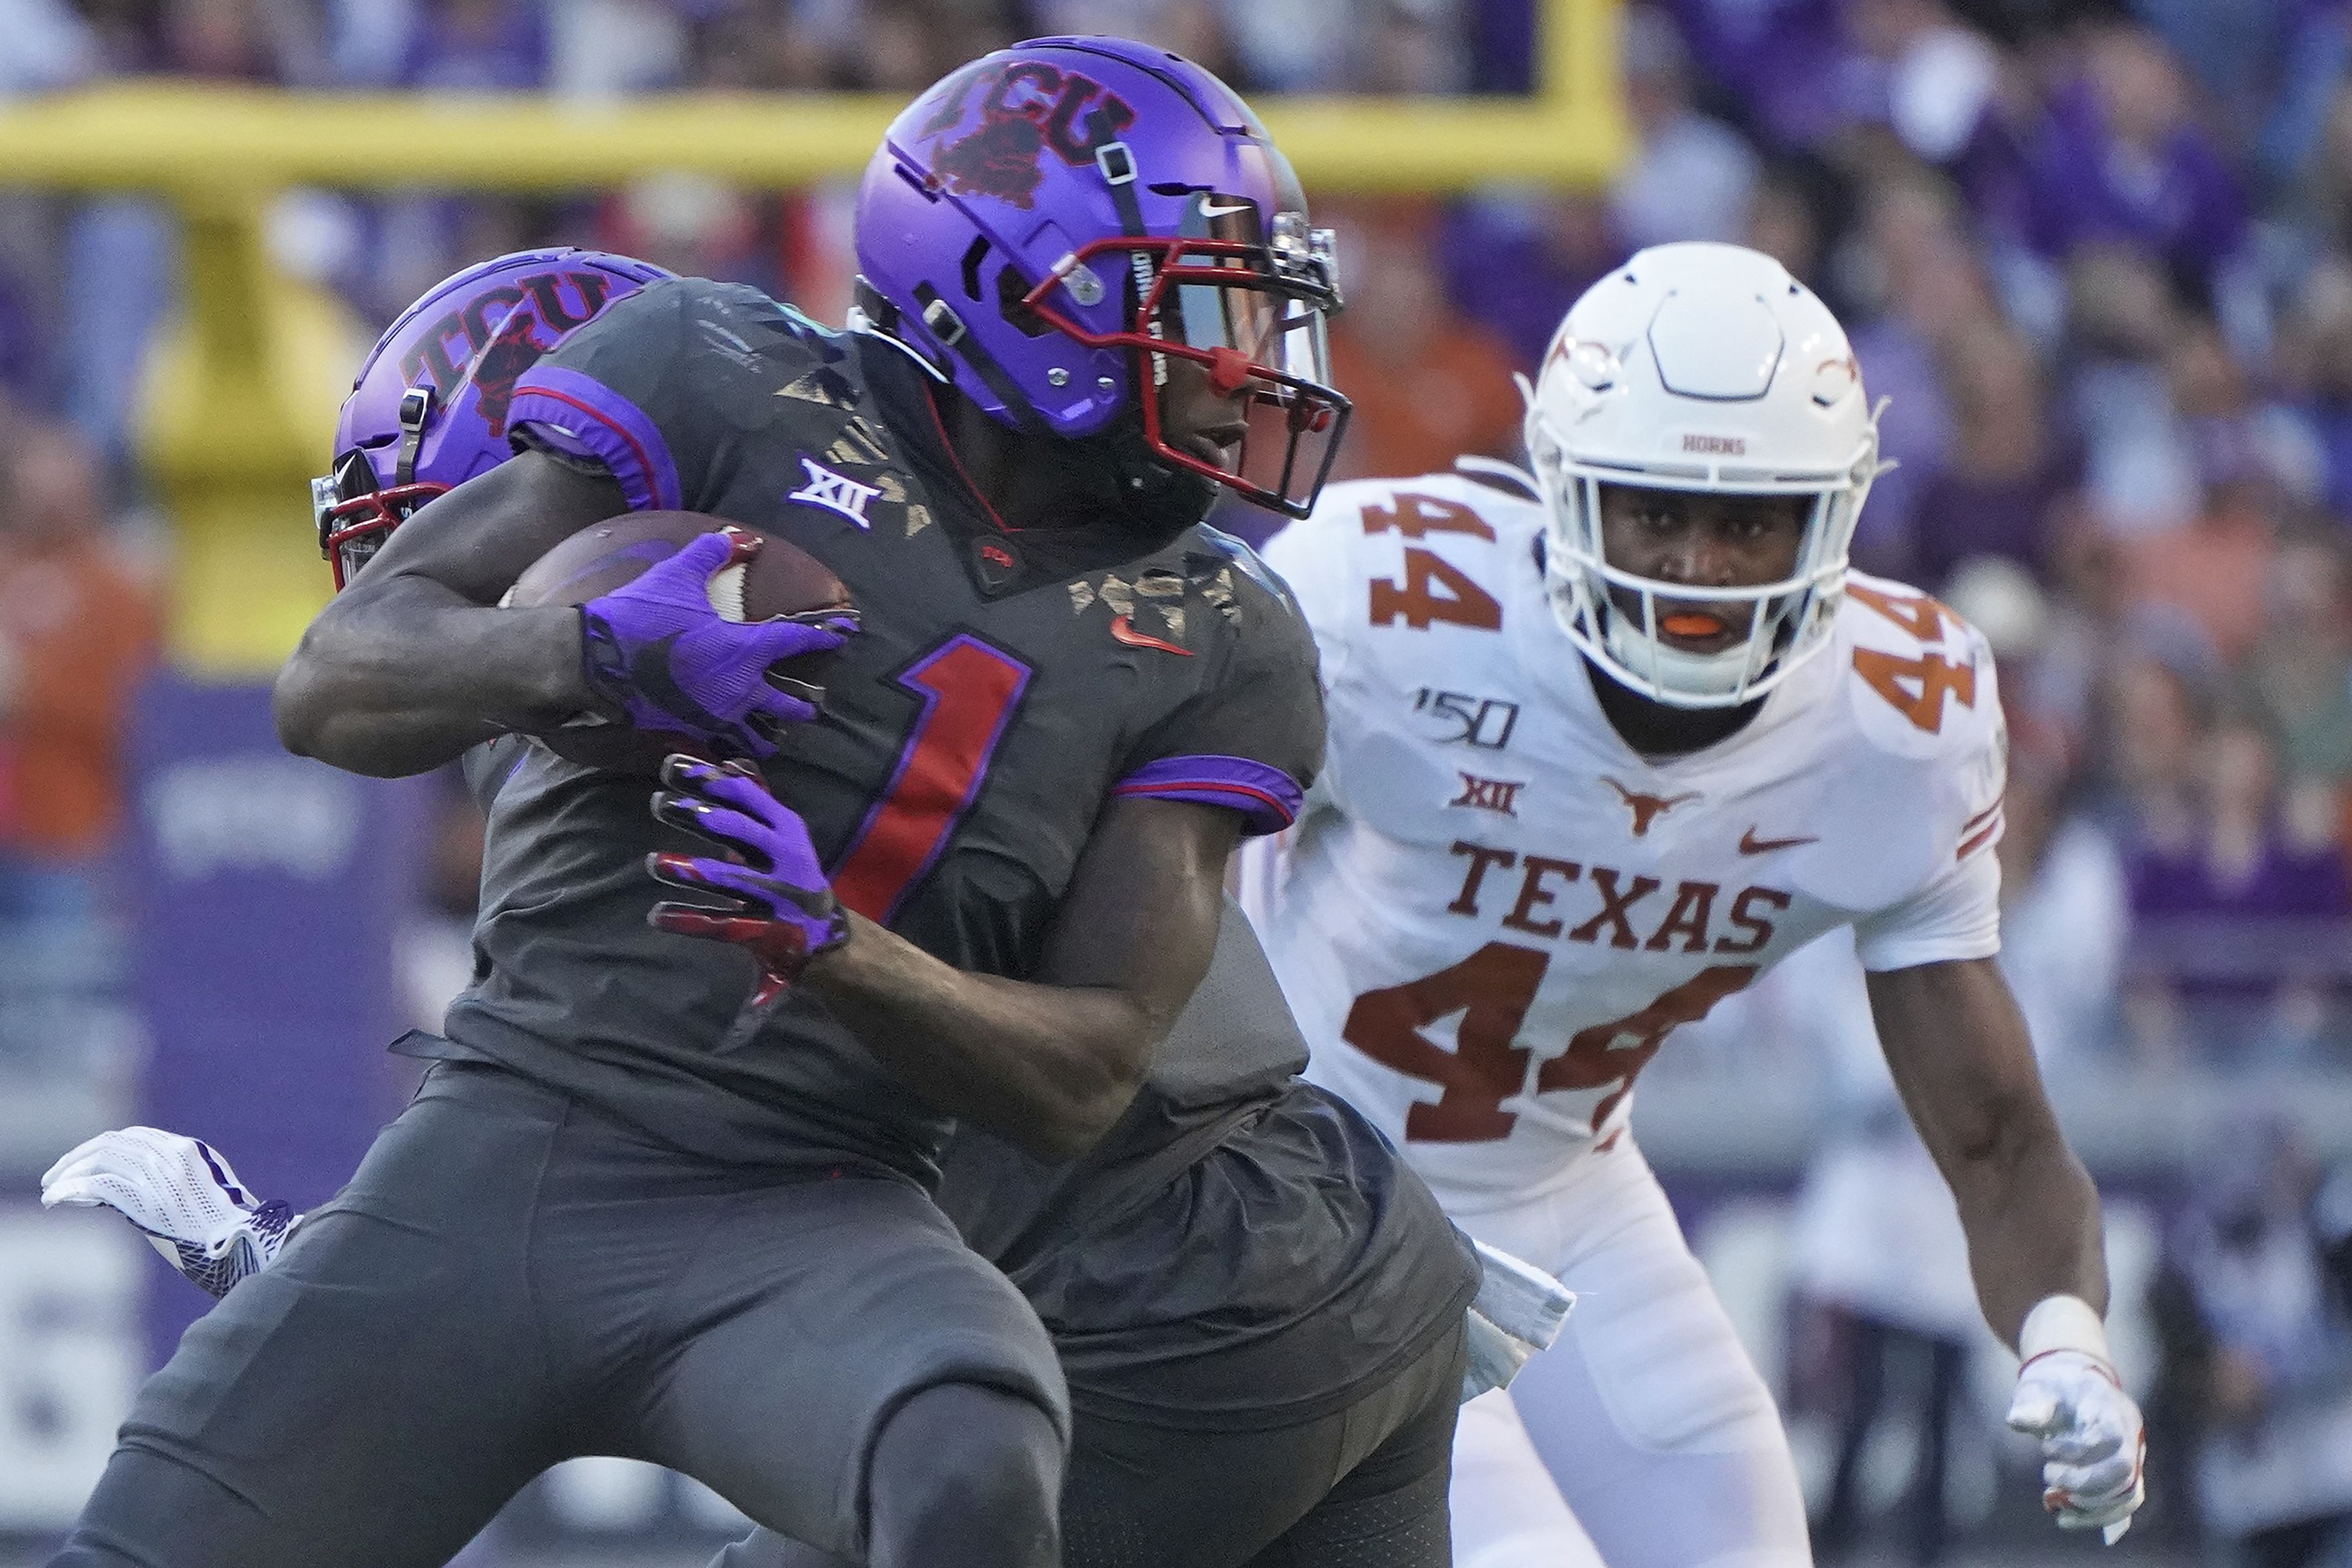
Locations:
{"points": [[781, 579]]}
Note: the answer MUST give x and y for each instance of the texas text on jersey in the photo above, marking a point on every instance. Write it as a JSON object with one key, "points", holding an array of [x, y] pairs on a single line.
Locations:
{"points": [[1546, 904]]}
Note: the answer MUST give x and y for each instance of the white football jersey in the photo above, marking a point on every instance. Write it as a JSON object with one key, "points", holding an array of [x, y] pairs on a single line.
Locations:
{"points": [[1491, 912]]}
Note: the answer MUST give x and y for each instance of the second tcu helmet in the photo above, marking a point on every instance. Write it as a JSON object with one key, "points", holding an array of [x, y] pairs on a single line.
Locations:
{"points": [[1699, 366], [429, 409], [1051, 223]]}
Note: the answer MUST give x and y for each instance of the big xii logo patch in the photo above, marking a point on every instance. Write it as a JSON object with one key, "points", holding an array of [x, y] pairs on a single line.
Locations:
{"points": [[835, 492]]}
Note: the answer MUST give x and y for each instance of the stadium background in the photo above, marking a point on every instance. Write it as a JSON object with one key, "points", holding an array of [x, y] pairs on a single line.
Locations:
{"points": [[2099, 255]]}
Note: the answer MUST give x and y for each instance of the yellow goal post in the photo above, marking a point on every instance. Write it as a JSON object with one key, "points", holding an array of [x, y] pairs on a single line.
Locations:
{"points": [[241, 396]]}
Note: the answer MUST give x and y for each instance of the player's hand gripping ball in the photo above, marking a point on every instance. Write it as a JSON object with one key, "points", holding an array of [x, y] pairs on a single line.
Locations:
{"points": [[698, 635], [775, 901], [181, 1195]]}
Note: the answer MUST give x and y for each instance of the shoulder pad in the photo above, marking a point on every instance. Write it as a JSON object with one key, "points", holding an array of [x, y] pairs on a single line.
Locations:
{"points": [[1919, 678], [740, 323], [1236, 550], [1507, 477], [1364, 528], [772, 364], [1459, 505]]}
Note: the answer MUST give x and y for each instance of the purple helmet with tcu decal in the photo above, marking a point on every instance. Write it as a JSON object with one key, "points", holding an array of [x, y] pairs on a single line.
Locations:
{"points": [[1054, 221], [429, 409]]}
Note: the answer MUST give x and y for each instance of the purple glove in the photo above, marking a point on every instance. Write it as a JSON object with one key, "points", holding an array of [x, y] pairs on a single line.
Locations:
{"points": [[660, 650], [778, 903]]}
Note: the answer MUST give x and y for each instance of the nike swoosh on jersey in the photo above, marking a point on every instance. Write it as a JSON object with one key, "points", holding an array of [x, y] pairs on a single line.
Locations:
{"points": [[1749, 844], [1122, 629]]}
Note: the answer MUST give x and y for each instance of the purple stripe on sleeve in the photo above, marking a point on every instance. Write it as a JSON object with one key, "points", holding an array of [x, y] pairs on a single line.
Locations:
{"points": [[582, 416], [1266, 797]]}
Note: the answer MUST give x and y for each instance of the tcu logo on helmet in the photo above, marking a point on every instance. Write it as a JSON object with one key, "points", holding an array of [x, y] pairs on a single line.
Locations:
{"points": [[496, 338], [1025, 108], [502, 362]]}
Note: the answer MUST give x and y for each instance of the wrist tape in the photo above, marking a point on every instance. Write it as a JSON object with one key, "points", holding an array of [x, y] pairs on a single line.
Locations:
{"points": [[2064, 1323]]}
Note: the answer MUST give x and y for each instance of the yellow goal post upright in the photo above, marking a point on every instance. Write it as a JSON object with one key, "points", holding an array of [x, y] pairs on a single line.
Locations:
{"points": [[241, 394]]}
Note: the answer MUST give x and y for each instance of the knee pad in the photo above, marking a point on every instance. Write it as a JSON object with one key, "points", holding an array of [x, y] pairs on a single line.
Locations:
{"points": [[1671, 1375], [975, 1460]]}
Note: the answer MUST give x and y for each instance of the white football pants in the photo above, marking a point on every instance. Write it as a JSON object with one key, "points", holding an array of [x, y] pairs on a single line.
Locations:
{"points": [[1645, 1438]]}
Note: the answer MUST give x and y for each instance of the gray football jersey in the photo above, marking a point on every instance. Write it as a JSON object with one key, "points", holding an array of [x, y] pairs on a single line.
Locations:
{"points": [[1003, 688]]}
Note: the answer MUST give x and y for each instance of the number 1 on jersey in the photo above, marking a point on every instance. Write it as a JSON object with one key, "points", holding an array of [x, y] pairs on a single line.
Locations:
{"points": [[968, 692]]}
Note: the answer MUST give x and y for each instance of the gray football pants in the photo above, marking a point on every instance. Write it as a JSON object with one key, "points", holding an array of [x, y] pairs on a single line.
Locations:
{"points": [[511, 1279], [1362, 1487]]}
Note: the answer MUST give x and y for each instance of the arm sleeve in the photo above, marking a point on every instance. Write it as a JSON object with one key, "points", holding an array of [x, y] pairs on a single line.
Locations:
{"points": [[628, 392], [1252, 738], [1957, 915]]}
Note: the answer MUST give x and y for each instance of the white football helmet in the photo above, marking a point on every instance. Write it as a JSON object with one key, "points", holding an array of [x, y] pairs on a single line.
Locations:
{"points": [[1703, 367]]}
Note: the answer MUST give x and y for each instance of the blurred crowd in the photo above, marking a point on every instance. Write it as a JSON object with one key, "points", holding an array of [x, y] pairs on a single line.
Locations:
{"points": [[2097, 254], [2098, 258], [77, 632]]}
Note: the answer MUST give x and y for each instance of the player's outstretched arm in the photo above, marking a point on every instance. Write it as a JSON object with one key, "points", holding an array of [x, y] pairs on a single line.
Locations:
{"points": [[414, 663], [1048, 1063], [1964, 1063]]}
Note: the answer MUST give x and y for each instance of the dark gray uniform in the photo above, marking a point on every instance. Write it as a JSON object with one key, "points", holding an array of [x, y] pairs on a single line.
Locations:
{"points": [[1257, 1306], [628, 1214], [1242, 1250]]}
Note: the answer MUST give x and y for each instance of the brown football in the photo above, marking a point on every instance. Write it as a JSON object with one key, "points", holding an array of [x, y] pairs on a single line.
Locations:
{"points": [[782, 579]]}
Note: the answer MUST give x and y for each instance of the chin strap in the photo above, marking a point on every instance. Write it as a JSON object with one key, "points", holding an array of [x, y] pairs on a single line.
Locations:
{"points": [[1115, 463]]}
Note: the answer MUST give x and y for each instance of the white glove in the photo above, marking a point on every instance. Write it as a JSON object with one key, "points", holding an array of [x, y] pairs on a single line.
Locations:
{"points": [[181, 1195], [2094, 1447], [1518, 1311]]}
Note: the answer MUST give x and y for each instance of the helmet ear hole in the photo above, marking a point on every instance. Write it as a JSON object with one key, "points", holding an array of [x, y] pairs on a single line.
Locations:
{"points": [[972, 259], [1011, 292]]}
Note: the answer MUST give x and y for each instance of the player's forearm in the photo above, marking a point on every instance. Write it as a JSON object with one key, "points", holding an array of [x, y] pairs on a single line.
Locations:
{"points": [[410, 675], [1048, 1068], [1961, 1055], [2031, 1216]]}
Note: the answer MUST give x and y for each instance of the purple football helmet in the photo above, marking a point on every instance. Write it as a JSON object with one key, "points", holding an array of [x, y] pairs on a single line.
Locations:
{"points": [[1054, 221], [429, 409]]}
